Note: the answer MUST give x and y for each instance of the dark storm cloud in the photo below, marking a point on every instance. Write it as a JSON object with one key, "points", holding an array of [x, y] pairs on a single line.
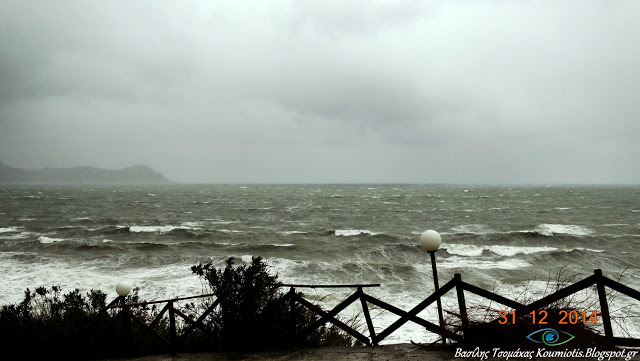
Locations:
{"points": [[358, 91]]}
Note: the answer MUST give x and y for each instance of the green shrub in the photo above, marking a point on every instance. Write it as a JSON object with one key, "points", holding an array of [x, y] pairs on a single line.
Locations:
{"points": [[252, 315]]}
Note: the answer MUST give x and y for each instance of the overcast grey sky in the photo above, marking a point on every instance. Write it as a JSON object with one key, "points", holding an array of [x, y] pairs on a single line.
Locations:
{"points": [[325, 91]]}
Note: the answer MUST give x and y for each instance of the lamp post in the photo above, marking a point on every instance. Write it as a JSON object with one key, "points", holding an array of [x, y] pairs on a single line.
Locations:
{"points": [[123, 288], [430, 241]]}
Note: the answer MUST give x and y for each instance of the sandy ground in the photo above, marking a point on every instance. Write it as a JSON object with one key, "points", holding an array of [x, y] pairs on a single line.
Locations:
{"points": [[380, 353]]}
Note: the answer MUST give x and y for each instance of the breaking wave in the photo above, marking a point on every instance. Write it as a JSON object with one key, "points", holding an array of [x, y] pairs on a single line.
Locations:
{"points": [[10, 229], [568, 229], [352, 232], [47, 240], [151, 229], [507, 251]]}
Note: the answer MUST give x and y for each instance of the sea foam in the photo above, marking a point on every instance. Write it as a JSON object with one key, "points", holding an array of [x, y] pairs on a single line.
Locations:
{"points": [[9, 229], [288, 233], [191, 225], [16, 235], [463, 262], [46, 240], [353, 232], [151, 229], [507, 251], [570, 229]]}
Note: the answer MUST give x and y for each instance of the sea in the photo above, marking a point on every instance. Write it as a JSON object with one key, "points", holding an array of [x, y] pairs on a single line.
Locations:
{"points": [[509, 239]]}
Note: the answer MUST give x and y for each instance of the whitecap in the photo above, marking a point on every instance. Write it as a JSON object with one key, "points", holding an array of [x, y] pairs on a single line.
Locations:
{"points": [[10, 229], [353, 232], [509, 251], [107, 241], [506, 251], [228, 231], [463, 262], [16, 235], [288, 233], [228, 244], [584, 249], [283, 244], [154, 282], [570, 229], [151, 229], [289, 270], [191, 225], [441, 233], [463, 249], [46, 240]]}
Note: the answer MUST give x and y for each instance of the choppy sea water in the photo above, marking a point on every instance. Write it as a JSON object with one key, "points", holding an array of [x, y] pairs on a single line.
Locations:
{"points": [[504, 238]]}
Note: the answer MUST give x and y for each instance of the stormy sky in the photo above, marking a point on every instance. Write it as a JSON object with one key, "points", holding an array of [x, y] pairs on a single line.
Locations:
{"points": [[325, 91]]}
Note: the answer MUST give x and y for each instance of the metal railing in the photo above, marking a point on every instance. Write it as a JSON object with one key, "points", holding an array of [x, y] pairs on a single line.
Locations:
{"points": [[293, 297]]}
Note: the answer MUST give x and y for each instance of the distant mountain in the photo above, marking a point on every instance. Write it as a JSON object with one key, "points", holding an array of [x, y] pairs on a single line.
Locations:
{"points": [[80, 175]]}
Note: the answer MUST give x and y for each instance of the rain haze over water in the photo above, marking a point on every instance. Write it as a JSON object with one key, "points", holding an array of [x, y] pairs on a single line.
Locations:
{"points": [[313, 92]]}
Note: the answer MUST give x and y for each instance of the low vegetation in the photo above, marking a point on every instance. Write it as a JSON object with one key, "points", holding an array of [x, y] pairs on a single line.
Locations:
{"points": [[491, 328], [48, 323], [251, 316]]}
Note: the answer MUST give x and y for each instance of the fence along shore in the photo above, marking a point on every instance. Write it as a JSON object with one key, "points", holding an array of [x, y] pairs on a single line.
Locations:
{"points": [[373, 338]]}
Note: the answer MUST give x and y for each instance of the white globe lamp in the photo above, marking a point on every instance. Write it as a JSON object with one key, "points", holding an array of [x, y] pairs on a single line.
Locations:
{"points": [[123, 288], [430, 241]]}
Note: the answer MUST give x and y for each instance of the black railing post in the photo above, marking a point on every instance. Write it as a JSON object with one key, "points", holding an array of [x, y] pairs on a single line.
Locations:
{"points": [[464, 317], [292, 309], [604, 305], [367, 317], [127, 327], [172, 326]]}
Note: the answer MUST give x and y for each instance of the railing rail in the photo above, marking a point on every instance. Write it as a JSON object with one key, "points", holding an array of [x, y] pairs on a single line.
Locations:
{"points": [[374, 338]]}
